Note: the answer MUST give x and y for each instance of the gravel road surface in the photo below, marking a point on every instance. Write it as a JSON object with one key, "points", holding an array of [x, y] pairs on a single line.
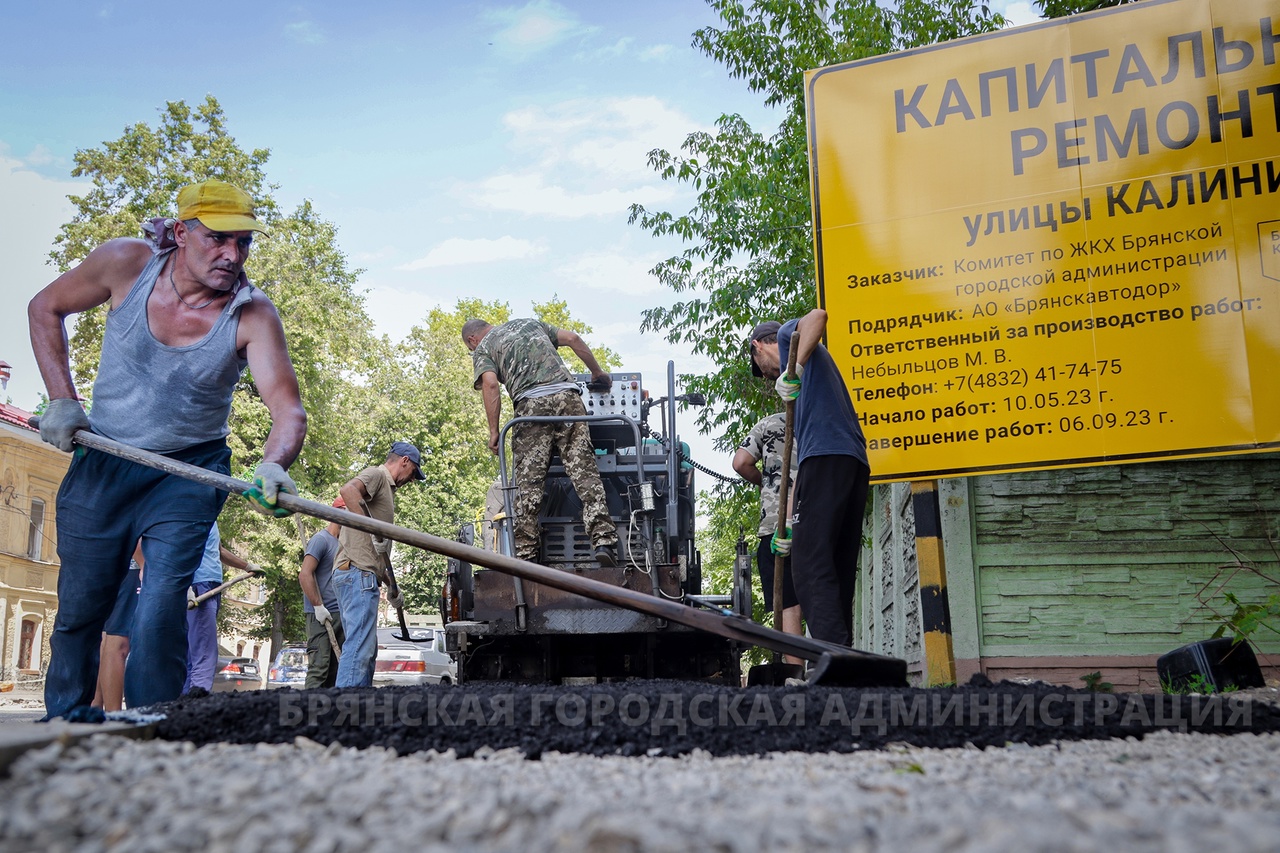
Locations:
{"points": [[1166, 792]]}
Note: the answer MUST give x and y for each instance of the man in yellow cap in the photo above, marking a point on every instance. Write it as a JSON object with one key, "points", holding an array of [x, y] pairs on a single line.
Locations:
{"points": [[183, 325]]}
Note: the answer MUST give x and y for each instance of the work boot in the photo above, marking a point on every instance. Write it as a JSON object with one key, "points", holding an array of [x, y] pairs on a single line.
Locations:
{"points": [[606, 557]]}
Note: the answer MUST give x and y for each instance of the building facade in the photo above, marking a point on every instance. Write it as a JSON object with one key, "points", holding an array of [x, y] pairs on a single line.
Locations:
{"points": [[30, 472]]}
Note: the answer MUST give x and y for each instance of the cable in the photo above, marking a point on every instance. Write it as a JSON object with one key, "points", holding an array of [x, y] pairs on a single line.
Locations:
{"points": [[733, 481]]}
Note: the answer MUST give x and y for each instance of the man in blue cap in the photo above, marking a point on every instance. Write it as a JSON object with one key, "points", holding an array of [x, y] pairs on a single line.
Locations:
{"points": [[832, 483], [359, 566]]}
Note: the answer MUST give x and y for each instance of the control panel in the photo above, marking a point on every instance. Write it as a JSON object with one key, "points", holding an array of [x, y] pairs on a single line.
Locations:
{"points": [[624, 398]]}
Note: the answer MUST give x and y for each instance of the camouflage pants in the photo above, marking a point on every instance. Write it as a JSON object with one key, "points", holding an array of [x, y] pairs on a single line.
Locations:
{"points": [[532, 445]]}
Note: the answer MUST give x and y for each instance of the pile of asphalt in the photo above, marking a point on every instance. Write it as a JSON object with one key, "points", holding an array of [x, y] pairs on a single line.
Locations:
{"points": [[670, 718]]}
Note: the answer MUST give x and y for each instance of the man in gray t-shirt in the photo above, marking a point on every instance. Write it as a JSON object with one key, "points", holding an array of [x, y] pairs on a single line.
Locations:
{"points": [[320, 604]]}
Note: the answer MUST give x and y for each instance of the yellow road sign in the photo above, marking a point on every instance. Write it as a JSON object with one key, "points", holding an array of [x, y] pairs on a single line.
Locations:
{"points": [[1057, 245]]}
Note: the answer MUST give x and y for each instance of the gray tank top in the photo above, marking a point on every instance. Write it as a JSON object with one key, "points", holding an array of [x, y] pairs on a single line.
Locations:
{"points": [[162, 398]]}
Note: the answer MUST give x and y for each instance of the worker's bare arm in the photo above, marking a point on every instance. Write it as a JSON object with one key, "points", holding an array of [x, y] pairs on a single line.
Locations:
{"points": [[261, 337], [307, 580], [491, 393], [107, 274], [574, 341], [354, 493], [746, 466]]}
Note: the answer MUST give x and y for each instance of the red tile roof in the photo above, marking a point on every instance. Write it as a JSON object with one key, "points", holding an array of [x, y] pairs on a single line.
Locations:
{"points": [[14, 415]]}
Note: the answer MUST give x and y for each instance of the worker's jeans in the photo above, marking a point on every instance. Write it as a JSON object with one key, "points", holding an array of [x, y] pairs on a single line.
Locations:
{"points": [[202, 639], [105, 504], [358, 602]]}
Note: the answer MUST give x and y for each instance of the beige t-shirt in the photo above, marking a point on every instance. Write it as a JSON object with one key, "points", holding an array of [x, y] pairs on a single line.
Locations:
{"points": [[357, 546]]}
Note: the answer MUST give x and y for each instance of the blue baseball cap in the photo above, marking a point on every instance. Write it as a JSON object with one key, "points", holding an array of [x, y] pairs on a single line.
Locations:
{"points": [[407, 450]]}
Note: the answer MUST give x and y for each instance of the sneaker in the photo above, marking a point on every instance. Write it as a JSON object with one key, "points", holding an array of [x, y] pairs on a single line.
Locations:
{"points": [[606, 557]]}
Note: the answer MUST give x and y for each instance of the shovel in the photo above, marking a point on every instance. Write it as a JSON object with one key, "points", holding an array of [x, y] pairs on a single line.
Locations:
{"points": [[776, 672], [831, 664], [193, 603]]}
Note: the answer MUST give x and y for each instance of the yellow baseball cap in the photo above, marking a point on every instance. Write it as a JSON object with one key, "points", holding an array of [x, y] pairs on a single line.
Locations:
{"points": [[219, 206]]}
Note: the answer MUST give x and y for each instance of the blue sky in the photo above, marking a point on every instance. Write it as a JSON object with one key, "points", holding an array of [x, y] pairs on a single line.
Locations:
{"points": [[462, 149]]}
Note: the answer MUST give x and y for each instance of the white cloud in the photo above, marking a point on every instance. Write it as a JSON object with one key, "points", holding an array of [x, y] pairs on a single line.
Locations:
{"points": [[575, 148], [395, 311], [456, 250], [612, 51], [659, 52], [614, 271], [530, 194], [534, 28], [39, 156], [1018, 12], [305, 32], [612, 136], [34, 209]]}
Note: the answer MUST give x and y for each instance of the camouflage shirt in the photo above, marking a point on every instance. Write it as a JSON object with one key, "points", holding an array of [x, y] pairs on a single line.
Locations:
{"points": [[522, 354], [765, 442]]}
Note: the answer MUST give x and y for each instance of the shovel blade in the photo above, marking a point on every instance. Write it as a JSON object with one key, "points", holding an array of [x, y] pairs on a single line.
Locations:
{"points": [[773, 674], [858, 669]]}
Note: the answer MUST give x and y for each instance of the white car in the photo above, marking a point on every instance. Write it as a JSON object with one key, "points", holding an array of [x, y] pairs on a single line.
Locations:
{"points": [[420, 661]]}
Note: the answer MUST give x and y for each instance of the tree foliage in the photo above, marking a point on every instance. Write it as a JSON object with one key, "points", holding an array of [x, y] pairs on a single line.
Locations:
{"points": [[301, 268], [1063, 8], [137, 177], [748, 239]]}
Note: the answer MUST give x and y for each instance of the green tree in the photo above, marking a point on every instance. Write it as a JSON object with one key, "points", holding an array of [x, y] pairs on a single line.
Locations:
{"points": [[555, 311], [748, 237], [748, 240], [300, 266], [137, 177], [1063, 8], [422, 393]]}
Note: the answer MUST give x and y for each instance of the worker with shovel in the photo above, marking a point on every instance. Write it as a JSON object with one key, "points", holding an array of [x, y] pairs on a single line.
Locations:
{"points": [[831, 487], [320, 605], [184, 323], [362, 563]]}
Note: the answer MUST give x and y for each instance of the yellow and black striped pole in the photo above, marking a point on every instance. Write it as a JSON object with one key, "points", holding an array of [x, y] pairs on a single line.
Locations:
{"points": [[935, 613]]}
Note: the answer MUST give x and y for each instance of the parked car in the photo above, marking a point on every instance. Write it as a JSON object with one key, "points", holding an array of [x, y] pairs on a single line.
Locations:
{"points": [[420, 661], [290, 668], [237, 674]]}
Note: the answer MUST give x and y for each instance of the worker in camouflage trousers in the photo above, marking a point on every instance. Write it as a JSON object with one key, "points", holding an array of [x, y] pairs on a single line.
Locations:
{"points": [[521, 355]]}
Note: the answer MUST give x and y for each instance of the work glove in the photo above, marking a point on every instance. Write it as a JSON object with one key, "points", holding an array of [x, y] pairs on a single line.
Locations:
{"points": [[192, 604], [382, 546], [58, 424], [323, 616], [395, 599], [269, 479], [600, 382], [787, 388], [255, 568], [781, 544]]}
